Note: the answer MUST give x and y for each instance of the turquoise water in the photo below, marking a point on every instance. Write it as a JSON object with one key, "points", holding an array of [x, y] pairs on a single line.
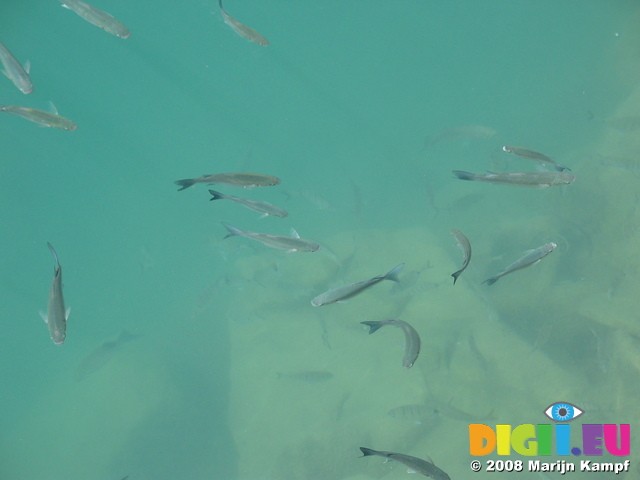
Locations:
{"points": [[339, 106]]}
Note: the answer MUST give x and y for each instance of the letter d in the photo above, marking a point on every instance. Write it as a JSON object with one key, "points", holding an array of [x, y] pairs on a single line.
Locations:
{"points": [[482, 439]]}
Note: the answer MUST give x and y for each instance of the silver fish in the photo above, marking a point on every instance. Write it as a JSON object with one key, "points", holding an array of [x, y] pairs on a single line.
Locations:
{"points": [[290, 244], [97, 17], [411, 338], [530, 258], [345, 292], [261, 207], [241, 29], [428, 469], [100, 356], [523, 179], [56, 316], [465, 246], [15, 72], [535, 156], [41, 117], [245, 180]]}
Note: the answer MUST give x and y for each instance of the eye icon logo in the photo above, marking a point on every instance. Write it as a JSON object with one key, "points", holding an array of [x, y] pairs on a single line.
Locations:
{"points": [[562, 412]]}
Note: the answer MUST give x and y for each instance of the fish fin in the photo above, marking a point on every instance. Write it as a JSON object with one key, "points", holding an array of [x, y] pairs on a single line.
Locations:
{"points": [[43, 316], [490, 281], [455, 276], [261, 216], [373, 326], [294, 233], [215, 195], [186, 183], [367, 451], [394, 272], [428, 458], [463, 175], [64, 5], [66, 314], [233, 231], [27, 66], [52, 108], [411, 470]]}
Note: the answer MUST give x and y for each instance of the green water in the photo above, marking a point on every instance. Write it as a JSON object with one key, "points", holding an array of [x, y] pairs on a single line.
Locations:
{"points": [[338, 106]]}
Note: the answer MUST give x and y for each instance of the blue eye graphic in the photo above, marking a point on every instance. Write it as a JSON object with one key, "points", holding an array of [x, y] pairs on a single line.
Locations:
{"points": [[562, 412]]}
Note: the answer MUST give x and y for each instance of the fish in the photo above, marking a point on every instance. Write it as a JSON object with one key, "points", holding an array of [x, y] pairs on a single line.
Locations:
{"points": [[414, 464], [523, 179], [535, 156], [14, 71], [56, 316], [418, 413], [261, 207], [465, 246], [245, 180], [346, 292], [411, 337], [97, 17], [530, 258], [289, 244], [101, 355], [41, 117], [241, 29], [309, 377], [461, 132]]}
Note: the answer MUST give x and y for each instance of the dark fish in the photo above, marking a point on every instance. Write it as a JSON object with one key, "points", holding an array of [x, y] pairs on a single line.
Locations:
{"points": [[261, 207], [244, 180], [290, 244], [56, 316], [465, 246], [241, 29], [100, 356], [415, 465], [522, 179], [346, 292], [411, 337], [535, 156], [531, 258]]}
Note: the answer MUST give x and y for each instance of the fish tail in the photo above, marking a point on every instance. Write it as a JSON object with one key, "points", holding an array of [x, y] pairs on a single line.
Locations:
{"points": [[233, 231], [394, 272], [455, 276], [367, 451], [464, 175], [373, 326], [216, 195], [55, 255], [186, 183], [491, 281]]}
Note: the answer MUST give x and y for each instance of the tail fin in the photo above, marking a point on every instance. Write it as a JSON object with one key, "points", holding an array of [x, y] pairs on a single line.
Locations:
{"points": [[455, 275], [216, 195], [393, 273], [186, 183], [491, 281], [367, 451], [233, 231], [373, 325], [464, 175]]}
